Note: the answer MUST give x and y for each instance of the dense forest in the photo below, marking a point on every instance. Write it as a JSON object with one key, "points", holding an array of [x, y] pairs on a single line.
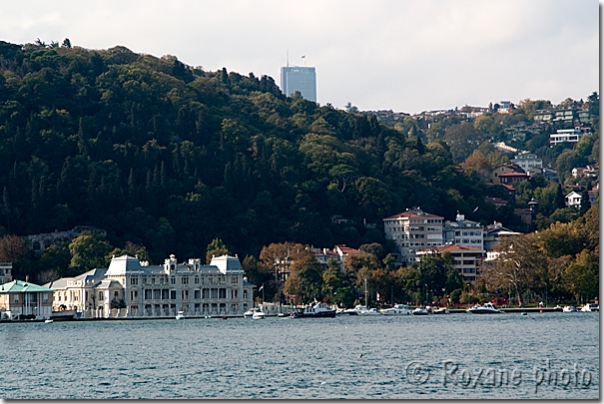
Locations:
{"points": [[168, 156], [169, 159]]}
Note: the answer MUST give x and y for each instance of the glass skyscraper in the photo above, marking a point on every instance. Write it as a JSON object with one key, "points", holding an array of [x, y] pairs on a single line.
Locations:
{"points": [[302, 79]]}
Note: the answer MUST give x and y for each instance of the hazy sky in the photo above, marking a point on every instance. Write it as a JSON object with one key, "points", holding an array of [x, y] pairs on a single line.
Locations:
{"points": [[404, 55]]}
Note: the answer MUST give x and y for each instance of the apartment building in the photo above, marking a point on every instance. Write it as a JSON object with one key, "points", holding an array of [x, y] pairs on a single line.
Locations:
{"points": [[463, 232], [413, 230]]}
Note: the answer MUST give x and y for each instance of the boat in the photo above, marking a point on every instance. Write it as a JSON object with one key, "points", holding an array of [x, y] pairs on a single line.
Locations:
{"points": [[370, 312], [280, 314], [49, 320], [180, 315], [589, 307], [355, 310], [258, 315], [250, 312], [397, 310], [558, 308], [317, 309], [487, 308], [420, 311], [569, 309], [441, 310]]}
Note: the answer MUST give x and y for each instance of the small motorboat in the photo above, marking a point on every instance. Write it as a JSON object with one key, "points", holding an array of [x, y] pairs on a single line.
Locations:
{"points": [[397, 310], [370, 312], [250, 312], [440, 310], [487, 308], [354, 311], [49, 320], [281, 315], [420, 311], [558, 308], [180, 315], [258, 315], [589, 307], [569, 309]]}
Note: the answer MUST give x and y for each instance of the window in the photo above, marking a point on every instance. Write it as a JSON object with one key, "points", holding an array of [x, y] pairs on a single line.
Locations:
{"points": [[134, 280], [233, 279], [214, 293], [205, 293], [197, 280], [222, 293], [165, 294], [172, 295], [144, 280], [133, 295], [185, 280], [197, 294], [16, 300], [101, 296], [148, 294], [185, 295], [45, 298], [153, 280], [172, 280]]}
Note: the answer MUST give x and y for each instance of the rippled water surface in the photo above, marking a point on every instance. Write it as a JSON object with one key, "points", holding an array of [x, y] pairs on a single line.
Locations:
{"points": [[550, 355]]}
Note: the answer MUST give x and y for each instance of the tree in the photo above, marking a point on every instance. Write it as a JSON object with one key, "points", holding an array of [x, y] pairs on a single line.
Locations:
{"points": [[305, 279], [89, 251], [66, 43], [216, 249], [585, 204], [581, 278], [519, 260]]}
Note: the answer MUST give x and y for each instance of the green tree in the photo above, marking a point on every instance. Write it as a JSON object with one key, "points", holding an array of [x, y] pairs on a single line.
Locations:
{"points": [[581, 278], [216, 249], [88, 251]]}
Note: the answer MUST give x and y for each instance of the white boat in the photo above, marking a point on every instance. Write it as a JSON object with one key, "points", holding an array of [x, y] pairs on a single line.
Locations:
{"points": [[251, 312], [180, 315], [420, 312], [49, 320], [258, 315], [440, 310], [370, 312], [589, 307], [356, 310], [569, 309], [487, 308], [397, 310]]}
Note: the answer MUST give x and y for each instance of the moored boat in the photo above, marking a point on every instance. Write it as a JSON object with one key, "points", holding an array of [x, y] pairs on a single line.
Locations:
{"points": [[258, 315], [440, 310], [369, 312], [487, 308], [397, 310], [317, 309], [180, 315], [420, 311], [569, 309]]}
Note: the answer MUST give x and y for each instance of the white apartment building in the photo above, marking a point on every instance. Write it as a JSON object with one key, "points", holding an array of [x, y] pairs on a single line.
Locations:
{"points": [[568, 135], [463, 232], [131, 288], [465, 259], [413, 230]]}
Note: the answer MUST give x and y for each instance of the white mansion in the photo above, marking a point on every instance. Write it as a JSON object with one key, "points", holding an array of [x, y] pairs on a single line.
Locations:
{"points": [[131, 288]]}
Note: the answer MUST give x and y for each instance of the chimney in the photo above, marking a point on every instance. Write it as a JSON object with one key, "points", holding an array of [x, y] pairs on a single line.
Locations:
{"points": [[26, 278]]}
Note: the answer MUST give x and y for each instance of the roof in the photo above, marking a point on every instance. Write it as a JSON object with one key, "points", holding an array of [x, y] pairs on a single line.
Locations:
{"points": [[18, 286], [123, 264], [227, 263], [414, 213]]}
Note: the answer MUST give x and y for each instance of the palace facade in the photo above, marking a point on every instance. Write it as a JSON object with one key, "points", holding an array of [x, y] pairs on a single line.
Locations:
{"points": [[131, 288]]}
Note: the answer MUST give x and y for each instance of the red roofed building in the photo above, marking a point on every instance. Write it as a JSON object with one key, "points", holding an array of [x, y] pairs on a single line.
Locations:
{"points": [[413, 230], [466, 259]]}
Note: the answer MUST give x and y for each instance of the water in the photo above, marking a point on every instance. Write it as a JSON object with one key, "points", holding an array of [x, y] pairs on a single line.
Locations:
{"points": [[346, 357]]}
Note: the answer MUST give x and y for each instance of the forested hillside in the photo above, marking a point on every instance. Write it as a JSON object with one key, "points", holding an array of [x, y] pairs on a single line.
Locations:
{"points": [[169, 156]]}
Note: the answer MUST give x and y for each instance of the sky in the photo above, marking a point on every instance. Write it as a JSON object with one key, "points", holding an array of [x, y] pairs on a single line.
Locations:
{"points": [[400, 55]]}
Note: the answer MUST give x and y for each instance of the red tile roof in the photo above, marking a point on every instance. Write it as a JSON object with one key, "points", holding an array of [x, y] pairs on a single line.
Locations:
{"points": [[414, 214]]}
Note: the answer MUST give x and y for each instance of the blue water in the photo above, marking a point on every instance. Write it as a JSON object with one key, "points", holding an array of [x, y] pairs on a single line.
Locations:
{"points": [[549, 355]]}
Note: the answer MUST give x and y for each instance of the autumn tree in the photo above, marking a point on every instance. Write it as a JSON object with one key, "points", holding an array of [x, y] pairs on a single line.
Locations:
{"points": [[89, 251]]}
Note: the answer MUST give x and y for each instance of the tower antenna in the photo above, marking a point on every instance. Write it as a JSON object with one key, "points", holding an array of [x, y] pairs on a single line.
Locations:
{"points": [[287, 57]]}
